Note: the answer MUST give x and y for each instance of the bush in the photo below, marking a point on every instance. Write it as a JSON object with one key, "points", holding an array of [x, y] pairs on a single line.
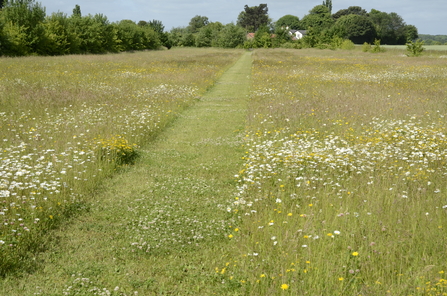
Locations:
{"points": [[377, 48], [366, 47], [415, 49], [347, 45]]}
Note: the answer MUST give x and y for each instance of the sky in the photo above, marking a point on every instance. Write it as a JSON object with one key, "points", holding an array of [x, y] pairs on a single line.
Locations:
{"points": [[429, 16]]}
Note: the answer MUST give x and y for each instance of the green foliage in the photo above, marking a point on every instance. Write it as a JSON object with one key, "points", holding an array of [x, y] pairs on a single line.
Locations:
{"points": [[328, 4], [252, 18], [411, 32], [188, 39], [377, 48], [433, 39], [415, 49], [319, 19], [59, 39], [24, 30], [335, 42], [263, 38], [175, 36], [94, 34], [24, 21], [15, 40], [290, 21], [204, 37], [231, 36], [347, 45], [131, 36], [159, 28], [77, 11], [197, 22], [280, 36], [390, 27], [292, 44], [135, 37], [3, 39], [357, 28], [357, 10], [366, 47], [311, 39]]}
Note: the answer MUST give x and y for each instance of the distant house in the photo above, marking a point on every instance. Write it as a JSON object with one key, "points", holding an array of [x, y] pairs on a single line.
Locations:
{"points": [[250, 36], [297, 34]]}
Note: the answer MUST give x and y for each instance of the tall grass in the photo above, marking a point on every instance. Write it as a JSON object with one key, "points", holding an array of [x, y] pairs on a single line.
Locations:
{"points": [[68, 122], [343, 190]]}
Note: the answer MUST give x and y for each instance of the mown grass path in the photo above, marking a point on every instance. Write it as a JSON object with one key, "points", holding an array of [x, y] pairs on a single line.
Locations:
{"points": [[174, 197]]}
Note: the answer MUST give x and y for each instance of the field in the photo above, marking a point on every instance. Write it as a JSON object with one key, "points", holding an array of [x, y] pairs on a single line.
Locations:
{"points": [[337, 181], [343, 188], [69, 122], [427, 47]]}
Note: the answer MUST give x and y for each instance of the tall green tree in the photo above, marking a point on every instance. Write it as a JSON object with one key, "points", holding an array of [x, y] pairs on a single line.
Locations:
{"points": [[24, 27], [263, 38], [252, 18], [390, 27], [3, 39], [231, 36], [350, 10], [59, 40], [357, 28], [290, 21], [94, 34], [319, 19], [197, 22], [328, 4], [159, 28], [77, 11], [209, 35], [411, 32]]}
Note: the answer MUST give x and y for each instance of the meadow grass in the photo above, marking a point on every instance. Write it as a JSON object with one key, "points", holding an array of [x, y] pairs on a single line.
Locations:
{"points": [[159, 226], [343, 190], [68, 122]]}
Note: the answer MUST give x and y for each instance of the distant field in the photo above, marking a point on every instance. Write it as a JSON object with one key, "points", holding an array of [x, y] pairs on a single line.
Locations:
{"points": [[427, 47]]}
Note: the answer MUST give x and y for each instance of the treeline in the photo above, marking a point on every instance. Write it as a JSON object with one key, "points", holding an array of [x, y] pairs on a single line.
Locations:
{"points": [[26, 30], [434, 39], [321, 28]]}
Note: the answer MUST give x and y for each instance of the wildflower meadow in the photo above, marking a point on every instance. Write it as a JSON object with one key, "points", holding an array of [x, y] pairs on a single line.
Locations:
{"points": [[322, 174], [68, 122], [343, 190]]}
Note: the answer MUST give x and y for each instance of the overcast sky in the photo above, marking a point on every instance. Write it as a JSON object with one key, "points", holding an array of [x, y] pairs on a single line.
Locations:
{"points": [[429, 16]]}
